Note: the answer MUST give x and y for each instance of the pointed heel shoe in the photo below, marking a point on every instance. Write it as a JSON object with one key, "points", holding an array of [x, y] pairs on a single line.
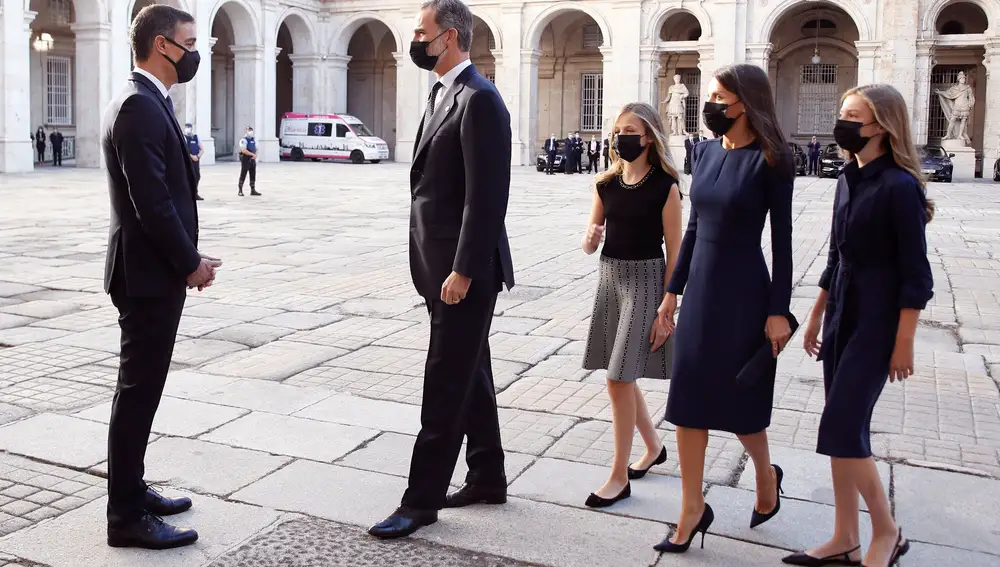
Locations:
{"points": [[707, 517], [757, 518], [807, 560], [635, 474], [901, 548], [595, 501]]}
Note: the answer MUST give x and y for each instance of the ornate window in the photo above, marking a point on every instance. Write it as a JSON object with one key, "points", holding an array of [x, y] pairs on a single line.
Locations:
{"points": [[61, 12], [942, 78], [492, 42], [819, 99], [591, 102], [492, 76], [692, 104], [58, 91], [592, 37]]}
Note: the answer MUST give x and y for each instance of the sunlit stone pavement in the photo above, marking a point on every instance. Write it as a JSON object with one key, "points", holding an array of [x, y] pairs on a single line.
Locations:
{"points": [[294, 398]]}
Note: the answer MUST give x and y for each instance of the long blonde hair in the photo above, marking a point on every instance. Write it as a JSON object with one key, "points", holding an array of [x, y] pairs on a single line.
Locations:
{"points": [[892, 115], [658, 154]]}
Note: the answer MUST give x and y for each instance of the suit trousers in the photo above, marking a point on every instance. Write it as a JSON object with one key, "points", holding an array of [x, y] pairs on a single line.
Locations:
{"points": [[149, 329], [459, 400], [57, 155], [248, 165]]}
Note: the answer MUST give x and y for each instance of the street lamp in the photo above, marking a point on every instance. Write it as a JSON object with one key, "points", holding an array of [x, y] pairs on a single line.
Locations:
{"points": [[43, 42]]}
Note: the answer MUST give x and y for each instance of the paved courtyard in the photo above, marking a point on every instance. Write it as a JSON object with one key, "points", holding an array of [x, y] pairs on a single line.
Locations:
{"points": [[292, 405]]}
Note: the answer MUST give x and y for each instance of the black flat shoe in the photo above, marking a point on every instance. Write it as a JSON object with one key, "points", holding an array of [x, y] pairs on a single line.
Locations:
{"points": [[757, 518], [403, 522], [160, 505], [836, 559], [471, 494], [595, 501], [707, 517], [150, 532], [635, 474], [901, 548]]}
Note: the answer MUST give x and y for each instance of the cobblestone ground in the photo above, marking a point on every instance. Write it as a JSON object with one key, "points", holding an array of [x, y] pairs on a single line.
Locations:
{"points": [[294, 397]]}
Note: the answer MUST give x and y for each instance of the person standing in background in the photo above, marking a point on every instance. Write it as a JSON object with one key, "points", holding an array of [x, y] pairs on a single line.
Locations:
{"points": [[568, 153], [196, 150], [578, 153], [56, 139], [606, 151], [550, 154], [593, 154], [814, 147], [40, 145], [248, 162]]}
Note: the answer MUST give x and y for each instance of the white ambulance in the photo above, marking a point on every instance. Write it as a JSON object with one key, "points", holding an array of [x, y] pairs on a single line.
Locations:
{"points": [[329, 136]]}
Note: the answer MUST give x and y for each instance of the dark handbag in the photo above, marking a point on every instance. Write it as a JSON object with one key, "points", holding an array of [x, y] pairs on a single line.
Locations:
{"points": [[763, 361]]}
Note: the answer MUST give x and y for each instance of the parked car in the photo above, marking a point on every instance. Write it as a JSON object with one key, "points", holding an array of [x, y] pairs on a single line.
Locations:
{"points": [[800, 158], [935, 163], [557, 164], [831, 161]]}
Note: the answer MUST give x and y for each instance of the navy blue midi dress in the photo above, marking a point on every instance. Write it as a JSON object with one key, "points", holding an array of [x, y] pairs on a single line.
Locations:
{"points": [[728, 293], [876, 266]]}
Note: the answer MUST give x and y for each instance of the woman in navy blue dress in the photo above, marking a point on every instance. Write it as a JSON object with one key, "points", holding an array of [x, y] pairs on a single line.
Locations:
{"points": [[877, 280], [734, 311]]}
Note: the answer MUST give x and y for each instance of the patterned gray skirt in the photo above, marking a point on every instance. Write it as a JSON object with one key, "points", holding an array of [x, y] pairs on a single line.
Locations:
{"points": [[628, 293]]}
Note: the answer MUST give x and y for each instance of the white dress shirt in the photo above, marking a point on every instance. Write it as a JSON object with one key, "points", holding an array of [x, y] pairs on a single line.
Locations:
{"points": [[159, 85], [447, 80]]}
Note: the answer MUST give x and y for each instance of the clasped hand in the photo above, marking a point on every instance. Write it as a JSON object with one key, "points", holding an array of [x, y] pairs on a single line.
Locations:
{"points": [[204, 276], [454, 288]]}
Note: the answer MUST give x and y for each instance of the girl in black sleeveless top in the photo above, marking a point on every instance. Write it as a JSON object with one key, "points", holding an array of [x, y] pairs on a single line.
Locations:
{"points": [[638, 200]]}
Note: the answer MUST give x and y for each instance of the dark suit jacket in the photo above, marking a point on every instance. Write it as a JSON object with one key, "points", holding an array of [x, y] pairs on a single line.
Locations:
{"points": [[153, 242], [551, 146], [459, 186]]}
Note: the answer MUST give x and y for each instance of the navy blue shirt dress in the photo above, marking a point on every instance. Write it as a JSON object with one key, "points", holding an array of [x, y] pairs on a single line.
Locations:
{"points": [[876, 266], [728, 292]]}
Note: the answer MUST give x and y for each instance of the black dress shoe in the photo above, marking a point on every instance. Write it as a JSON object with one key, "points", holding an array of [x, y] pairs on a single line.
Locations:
{"points": [[595, 501], [403, 522], [635, 474], [150, 532], [156, 503], [836, 559], [475, 494], [254, 193]]}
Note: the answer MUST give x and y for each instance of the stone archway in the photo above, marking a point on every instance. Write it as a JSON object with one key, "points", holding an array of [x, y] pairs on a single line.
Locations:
{"points": [[371, 79], [237, 73], [484, 49], [296, 66]]}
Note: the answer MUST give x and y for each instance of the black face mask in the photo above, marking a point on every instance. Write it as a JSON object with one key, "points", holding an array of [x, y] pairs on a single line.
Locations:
{"points": [[419, 56], [628, 147], [716, 119], [847, 134], [187, 65]]}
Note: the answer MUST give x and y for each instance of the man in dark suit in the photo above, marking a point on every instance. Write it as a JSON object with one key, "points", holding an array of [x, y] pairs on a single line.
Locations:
{"points": [[459, 261], [578, 153], [569, 153], [814, 148], [56, 138], [689, 144], [550, 154], [607, 151], [152, 260]]}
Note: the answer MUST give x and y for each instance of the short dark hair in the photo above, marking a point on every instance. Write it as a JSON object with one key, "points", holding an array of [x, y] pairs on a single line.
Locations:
{"points": [[153, 21], [450, 14]]}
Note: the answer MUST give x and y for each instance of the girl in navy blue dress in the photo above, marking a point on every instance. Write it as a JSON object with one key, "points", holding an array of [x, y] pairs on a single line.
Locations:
{"points": [[876, 282], [734, 311]]}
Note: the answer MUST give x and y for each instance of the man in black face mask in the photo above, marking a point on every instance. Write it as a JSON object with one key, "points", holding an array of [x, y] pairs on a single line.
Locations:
{"points": [[152, 261], [459, 261]]}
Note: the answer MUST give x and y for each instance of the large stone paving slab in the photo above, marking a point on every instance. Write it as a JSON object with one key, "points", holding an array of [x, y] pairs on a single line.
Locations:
{"points": [[259, 395], [175, 416], [351, 333], [568, 397], [273, 361], [364, 412], [65, 440], [723, 552], [928, 555], [298, 437]]}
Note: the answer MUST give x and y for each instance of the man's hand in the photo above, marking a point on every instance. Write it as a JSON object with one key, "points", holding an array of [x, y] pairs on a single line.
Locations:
{"points": [[202, 275], [454, 288], [194, 158], [213, 263]]}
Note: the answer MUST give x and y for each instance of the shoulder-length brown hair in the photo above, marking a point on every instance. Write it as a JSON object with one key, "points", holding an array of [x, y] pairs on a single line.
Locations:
{"points": [[890, 112], [659, 152], [753, 88]]}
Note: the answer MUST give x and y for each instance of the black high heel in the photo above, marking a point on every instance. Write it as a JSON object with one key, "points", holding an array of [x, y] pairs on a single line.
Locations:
{"points": [[901, 548], [757, 518], [836, 559], [707, 517], [635, 474], [595, 501]]}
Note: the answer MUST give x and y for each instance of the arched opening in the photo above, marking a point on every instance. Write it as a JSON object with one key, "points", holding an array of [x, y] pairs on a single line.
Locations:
{"points": [[813, 62], [55, 82], [296, 71], [570, 79], [236, 53], [961, 18], [371, 80], [483, 46], [284, 88], [680, 59]]}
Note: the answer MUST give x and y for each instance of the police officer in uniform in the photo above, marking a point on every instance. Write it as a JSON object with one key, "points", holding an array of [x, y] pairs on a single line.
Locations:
{"points": [[194, 146], [248, 161]]}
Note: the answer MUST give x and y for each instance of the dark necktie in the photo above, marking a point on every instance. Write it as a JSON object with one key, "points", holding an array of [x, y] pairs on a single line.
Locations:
{"points": [[431, 102], [170, 105]]}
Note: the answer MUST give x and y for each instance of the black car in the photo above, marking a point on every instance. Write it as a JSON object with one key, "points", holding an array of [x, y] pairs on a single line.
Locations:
{"points": [[831, 161], [557, 164], [936, 164], [800, 158]]}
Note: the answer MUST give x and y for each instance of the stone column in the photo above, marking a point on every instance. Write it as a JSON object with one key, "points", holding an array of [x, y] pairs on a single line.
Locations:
{"points": [[625, 81], [867, 54], [16, 149], [93, 90], [121, 53], [498, 70], [707, 67], [266, 83], [246, 112], [759, 54], [613, 96], [305, 83], [514, 83], [920, 111], [335, 70], [202, 88], [728, 16], [991, 126], [528, 103], [649, 70], [412, 87]]}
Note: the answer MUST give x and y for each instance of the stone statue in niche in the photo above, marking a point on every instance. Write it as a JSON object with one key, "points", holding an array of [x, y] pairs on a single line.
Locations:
{"points": [[957, 103], [676, 95]]}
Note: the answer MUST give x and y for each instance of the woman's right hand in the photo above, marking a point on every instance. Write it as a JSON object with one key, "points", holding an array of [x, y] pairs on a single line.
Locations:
{"points": [[593, 238], [811, 340]]}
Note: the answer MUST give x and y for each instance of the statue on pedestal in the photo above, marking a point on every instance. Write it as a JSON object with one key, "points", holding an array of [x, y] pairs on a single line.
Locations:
{"points": [[957, 103], [676, 95]]}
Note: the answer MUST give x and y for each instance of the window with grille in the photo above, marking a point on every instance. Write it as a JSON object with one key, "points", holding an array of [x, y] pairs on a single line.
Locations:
{"points": [[58, 91], [492, 76], [591, 102], [818, 99], [492, 43], [942, 78], [692, 109], [592, 38], [61, 12]]}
